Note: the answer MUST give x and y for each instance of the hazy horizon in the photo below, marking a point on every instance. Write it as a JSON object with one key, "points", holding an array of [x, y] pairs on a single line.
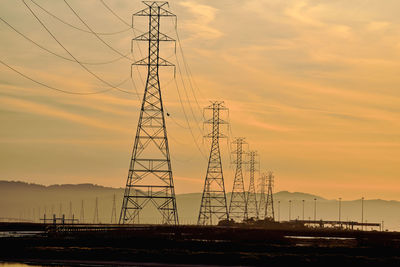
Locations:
{"points": [[27, 201], [197, 192]]}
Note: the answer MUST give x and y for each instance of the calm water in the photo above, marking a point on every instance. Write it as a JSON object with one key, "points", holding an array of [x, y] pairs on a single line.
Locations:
{"points": [[16, 265], [19, 233]]}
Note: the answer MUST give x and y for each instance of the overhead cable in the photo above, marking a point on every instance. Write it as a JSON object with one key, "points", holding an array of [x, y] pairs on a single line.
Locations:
{"points": [[52, 87], [54, 53], [76, 60], [75, 27]]}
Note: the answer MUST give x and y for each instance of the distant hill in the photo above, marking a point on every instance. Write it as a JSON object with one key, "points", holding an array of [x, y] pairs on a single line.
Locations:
{"points": [[296, 196], [19, 184], [28, 200]]}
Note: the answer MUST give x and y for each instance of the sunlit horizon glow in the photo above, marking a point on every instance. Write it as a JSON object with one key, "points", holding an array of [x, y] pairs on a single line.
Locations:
{"points": [[312, 85]]}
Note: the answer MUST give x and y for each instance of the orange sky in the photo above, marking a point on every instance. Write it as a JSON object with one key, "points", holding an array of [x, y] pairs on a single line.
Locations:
{"points": [[312, 85]]}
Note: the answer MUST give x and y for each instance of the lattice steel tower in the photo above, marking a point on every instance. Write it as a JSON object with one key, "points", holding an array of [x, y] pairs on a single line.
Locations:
{"points": [[269, 205], [251, 194], [261, 203], [238, 203], [213, 201], [150, 178]]}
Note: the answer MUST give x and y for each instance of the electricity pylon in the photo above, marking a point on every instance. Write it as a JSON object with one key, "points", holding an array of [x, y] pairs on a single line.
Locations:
{"points": [[213, 201], [150, 179], [269, 206], [251, 194], [261, 203], [238, 203]]}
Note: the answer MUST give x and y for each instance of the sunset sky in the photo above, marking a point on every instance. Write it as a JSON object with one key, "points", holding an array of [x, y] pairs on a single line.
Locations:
{"points": [[313, 86]]}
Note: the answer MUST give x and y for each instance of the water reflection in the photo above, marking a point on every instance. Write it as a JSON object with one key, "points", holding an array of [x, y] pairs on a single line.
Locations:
{"points": [[14, 264]]}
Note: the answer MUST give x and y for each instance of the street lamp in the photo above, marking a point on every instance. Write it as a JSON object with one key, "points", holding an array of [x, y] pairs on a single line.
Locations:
{"points": [[362, 213], [315, 209], [340, 210], [279, 210]]}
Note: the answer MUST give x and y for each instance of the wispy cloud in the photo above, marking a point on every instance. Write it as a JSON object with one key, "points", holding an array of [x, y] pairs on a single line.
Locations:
{"points": [[25, 106], [200, 25]]}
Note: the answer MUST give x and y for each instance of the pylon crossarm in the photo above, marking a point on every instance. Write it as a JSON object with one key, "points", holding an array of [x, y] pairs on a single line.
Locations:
{"points": [[142, 62], [145, 37]]}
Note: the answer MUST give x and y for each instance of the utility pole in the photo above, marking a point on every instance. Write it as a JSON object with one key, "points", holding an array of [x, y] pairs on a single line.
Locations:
{"points": [[238, 203], [114, 212], [279, 210], [150, 179], [290, 209], [96, 212], [303, 209], [70, 210], [213, 201], [315, 209], [251, 194], [269, 205], [340, 211], [362, 213]]}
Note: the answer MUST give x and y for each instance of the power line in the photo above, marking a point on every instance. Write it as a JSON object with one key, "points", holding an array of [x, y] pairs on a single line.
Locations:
{"points": [[187, 96], [96, 35], [187, 121], [133, 30], [116, 15], [187, 70], [51, 87], [73, 26], [77, 61], [53, 53]]}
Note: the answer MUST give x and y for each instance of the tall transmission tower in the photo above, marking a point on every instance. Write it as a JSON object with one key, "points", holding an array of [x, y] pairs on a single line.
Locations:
{"points": [[238, 203], [251, 194], [269, 205], [96, 212], [150, 178], [261, 203], [213, 201], [114, 212]]}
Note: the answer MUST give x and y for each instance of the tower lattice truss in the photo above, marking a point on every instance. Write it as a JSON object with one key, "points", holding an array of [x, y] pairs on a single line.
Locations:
{"points": [[262, 190], [150, 180], [269, 205], [238, 203], [213, 201], [252, 209]]}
